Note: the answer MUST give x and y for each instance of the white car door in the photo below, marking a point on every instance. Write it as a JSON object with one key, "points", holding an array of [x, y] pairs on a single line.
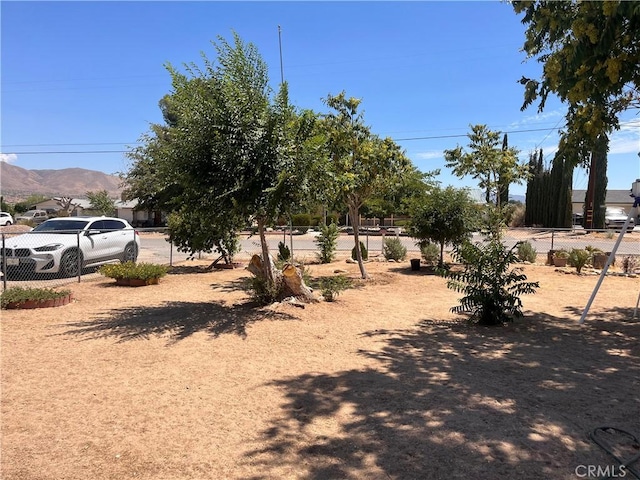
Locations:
{"points": [[94, 242]]}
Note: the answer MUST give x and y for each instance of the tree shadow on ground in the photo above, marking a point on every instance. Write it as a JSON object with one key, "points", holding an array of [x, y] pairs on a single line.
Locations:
{"points": [[457, 401], [177, 320], [424, 270]]}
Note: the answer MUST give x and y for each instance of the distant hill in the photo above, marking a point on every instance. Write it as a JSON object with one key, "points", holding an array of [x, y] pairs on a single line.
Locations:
{"points": [[18, 183]]}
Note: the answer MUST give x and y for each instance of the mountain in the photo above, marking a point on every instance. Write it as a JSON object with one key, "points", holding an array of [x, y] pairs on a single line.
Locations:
{"points": [[18, 183]]}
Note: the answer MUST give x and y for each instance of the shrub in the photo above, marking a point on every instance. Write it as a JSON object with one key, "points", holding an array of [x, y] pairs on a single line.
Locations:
{"points": [[430, 252], [21, 295], [629, 264], [394, 249], [327, 241], [578, 258], [491, 290], [284, 253], [263, 291], [301, 220], [526, 252], [131, 270], [330, 287], [562, 253], [363, 252]]}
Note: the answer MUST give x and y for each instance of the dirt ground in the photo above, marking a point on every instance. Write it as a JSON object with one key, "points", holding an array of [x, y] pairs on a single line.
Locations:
{"points": [[189, 380]]}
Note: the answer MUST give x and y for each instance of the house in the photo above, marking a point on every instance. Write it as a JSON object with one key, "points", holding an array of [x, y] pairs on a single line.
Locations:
{"points": [[614, 198], [82, 206]]}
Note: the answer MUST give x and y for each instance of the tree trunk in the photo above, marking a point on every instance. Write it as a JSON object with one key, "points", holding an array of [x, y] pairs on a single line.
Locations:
{"points": [[267, 266], [295, 284], [355, 221]]}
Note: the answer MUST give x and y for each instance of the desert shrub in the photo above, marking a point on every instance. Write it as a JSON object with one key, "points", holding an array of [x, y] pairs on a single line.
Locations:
{"points": [[394, 249], [330, 287], [430, 252], [262, 291], [514, 214], [327, 242], [284, 253], [578, 258], [21, 295], [629, 264], [526, 252], [301, 220], [562, 253], [132, 270], [491, 288], [363, 252]]}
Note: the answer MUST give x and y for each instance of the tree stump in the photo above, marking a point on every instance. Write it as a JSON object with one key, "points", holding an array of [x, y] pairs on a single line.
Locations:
{"points": [[289, 277]]}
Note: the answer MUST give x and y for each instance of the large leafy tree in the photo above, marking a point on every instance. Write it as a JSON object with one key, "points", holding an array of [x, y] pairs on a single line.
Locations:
{"points": [[444, 216], [590, 53], [229, 152], [359, 164]]}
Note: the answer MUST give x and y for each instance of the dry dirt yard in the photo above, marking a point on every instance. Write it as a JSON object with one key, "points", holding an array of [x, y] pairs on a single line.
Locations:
{"points": [[189, 380]]}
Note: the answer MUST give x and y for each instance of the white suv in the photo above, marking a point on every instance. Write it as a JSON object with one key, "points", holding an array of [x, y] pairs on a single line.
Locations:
{"points": [[65, 245]]}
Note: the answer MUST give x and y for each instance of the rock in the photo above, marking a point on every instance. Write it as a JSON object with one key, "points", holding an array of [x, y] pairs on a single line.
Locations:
{"points": [[351, 260], [339, 270]]}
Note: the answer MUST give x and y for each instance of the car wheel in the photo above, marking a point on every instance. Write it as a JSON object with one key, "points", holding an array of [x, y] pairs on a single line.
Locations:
{"points": [[130, 253], [69, 263], [7, 224]]}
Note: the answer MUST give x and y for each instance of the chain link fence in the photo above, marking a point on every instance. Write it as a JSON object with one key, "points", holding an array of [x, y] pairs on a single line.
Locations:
{"points": [[36, 259]]}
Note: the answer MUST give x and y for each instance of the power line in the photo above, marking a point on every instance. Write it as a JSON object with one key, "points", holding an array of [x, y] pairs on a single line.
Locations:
{"points": [[433, 137]]}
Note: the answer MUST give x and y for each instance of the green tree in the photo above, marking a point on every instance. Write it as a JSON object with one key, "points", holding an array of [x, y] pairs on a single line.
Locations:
{"points": [[445, 216], [359, 164], [101, 202], [494, 167], [232, 151]]}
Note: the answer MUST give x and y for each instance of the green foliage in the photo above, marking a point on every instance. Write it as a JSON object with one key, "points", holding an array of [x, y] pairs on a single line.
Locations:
{"points": [[446, 216], [21, 295], [394, 249], [526, 252], [327, 242], [263, 291], [430, 252], [192, 235], [578, 258], [101, 203], [301, 220], [491, 289], [363, 252], [29, 203], [493, 166], [284, 253], [562, 253], [131, 270], [330, 287]]}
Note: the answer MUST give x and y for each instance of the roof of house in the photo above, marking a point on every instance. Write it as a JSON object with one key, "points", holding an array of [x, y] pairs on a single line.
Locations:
{"points": [[622, 197]]}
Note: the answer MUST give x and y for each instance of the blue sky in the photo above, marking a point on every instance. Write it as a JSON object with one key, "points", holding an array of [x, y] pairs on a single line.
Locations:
{"points": [[87, 76]]}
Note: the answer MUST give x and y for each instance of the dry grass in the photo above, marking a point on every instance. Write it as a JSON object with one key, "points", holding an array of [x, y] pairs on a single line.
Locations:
{"points": [[188, 380]]}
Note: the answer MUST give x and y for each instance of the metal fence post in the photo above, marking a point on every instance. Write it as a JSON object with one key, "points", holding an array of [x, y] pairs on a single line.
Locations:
{"points": [[4, 265], [552, 237], [79, 256]]}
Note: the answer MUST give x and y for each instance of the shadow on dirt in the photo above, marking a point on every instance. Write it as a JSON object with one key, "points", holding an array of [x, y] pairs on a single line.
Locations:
{"points": [[455, 401], [177, 320]]}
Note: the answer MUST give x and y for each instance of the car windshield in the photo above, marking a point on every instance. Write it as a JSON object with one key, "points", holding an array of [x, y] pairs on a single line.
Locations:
{"points": [[61, 226], [615, 211]]}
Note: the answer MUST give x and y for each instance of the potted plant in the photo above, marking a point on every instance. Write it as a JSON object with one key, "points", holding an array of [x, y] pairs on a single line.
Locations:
{"points": [[21, 297], [598, 257], [134, 274], [560, 258]]}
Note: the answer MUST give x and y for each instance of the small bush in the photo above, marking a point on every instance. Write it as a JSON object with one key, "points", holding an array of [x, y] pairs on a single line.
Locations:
{"points": [[327, 242], [394, 249], [301, 220], [578, 258], [363, 252], [562, 253], [629, 264], [331, 287], [131, 270], [284, 253], [526, 252], [430, 253], [262, 291], [21, 295]]}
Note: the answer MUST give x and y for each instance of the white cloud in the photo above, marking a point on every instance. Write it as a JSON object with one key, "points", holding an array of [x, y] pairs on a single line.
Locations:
{"points": [[627, 139], [430, 155], [8, 157], [539, 117]]}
